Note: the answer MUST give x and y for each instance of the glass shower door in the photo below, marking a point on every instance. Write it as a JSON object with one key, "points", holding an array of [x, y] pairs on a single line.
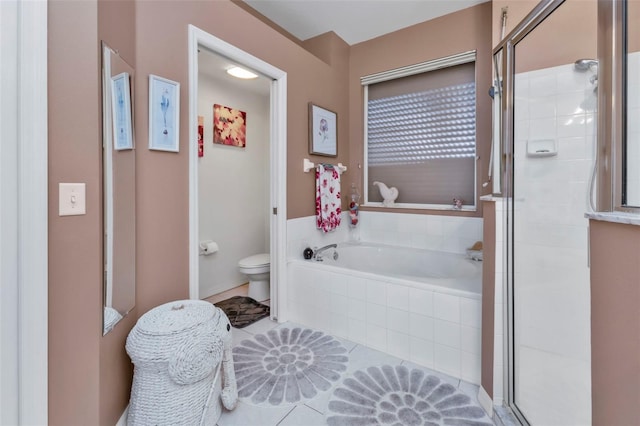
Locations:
{"points": [[554, 114]]}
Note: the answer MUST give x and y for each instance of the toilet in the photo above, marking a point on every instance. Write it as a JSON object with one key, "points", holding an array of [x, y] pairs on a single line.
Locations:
{"points": [[257, 268]]}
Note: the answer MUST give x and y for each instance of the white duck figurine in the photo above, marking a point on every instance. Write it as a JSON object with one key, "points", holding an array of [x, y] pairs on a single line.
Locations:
{"points": [[389, 195]]}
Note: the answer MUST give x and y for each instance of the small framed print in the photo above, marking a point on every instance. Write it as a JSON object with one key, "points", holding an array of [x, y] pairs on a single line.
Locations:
{"points": [[164, 114], [323, 135], [121, 112]]}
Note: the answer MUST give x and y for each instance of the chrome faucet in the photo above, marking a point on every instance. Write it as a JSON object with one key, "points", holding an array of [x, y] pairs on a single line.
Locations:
{"points": [[317, 253]]}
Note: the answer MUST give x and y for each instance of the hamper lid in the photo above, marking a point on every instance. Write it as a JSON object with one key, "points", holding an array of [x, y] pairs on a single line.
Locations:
{"points": [[174, 317]]}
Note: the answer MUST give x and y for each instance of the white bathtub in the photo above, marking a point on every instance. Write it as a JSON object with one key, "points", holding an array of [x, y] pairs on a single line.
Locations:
{"points": [[419, 305], [448, 272]]}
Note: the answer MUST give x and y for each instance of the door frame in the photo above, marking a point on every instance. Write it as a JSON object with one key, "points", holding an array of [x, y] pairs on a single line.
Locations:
{"points": [[278, 156], [23, 214]]}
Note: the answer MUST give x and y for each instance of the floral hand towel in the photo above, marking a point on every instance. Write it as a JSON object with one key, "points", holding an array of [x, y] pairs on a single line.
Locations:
{"points": [[327, 197]]}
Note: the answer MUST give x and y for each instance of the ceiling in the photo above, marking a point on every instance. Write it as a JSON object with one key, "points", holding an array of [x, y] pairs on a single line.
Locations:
{"points": [[354, 21], [215, 67]]}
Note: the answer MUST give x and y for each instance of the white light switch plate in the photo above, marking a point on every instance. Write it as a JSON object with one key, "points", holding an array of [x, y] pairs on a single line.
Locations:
{"points": [[72, 199]]}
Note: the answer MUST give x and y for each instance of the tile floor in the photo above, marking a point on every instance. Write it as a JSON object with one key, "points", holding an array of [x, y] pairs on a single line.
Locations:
{"points": [[241, 290], [312, 412]]}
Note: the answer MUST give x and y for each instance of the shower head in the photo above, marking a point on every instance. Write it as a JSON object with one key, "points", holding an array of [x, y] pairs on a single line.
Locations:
{"points": [[585, 64]]}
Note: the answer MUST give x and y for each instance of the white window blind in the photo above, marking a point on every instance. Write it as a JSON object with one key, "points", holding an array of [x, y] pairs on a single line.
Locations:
{"points": [[421, 136], [416, 127]]}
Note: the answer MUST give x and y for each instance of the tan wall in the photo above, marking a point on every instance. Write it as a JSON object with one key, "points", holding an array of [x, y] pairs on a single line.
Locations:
{"points": [[75, 260], [162, 50], [457, 32], [90, 376], [488, 295], [615, 323], [566, 36]]}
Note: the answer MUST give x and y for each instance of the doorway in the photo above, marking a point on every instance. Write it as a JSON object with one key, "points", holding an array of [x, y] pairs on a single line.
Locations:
{"points": [[276, 203]]}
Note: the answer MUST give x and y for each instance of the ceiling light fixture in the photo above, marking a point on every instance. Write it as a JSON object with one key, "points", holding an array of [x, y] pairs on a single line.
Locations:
{"points": [[241, 73]]}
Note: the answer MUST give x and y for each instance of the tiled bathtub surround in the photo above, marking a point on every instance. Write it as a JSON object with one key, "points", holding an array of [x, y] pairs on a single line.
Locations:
{"points": [[427, 326], [302, 233], [450, 234]]}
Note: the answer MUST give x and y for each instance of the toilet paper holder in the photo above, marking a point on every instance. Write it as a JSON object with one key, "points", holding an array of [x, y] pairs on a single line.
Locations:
{"points": [[208, 247]]}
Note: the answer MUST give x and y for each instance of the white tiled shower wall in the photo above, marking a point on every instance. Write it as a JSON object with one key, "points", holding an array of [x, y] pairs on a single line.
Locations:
{"points": [[499, 306], [551, 274], [633, 129], [428, 327]]}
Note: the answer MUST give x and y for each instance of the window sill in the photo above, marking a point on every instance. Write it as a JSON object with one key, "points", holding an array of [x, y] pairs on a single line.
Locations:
{"points": [[408, 206], [615, 217]]}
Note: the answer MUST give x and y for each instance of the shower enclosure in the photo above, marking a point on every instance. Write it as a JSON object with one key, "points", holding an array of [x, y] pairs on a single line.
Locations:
{"points": [[549, 75]]}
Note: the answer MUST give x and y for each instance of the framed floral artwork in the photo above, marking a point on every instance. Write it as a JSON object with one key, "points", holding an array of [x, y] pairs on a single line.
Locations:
{"points": [[229, 126], [323, 136], [200, 136]]}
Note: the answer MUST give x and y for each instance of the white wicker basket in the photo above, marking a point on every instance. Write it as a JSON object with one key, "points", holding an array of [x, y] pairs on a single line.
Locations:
{"points": [[177, 350]]}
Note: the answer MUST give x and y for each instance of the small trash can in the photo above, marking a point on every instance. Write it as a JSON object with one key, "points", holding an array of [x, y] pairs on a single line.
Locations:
{"points": [[178, 350]]}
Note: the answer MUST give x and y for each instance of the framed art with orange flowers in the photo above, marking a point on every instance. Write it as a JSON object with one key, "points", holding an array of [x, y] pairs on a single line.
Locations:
{"points": [[229, 126], [323, 125]]}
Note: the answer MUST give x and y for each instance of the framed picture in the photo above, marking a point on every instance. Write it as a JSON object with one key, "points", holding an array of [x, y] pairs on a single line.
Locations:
{"points": [[121, 112], [323, 135], [164, 114], [200, 136], [229, 126]]}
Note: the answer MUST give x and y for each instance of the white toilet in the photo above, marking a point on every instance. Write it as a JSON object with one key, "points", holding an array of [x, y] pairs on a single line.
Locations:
{"points": [[257, 268]]}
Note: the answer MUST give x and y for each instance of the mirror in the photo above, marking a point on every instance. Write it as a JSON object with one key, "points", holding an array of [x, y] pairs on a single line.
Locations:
{"points": [[118, 174], [631, 165]]}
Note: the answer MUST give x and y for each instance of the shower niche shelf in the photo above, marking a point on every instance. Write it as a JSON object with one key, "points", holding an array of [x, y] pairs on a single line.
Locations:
{"points": [[542, 148]]}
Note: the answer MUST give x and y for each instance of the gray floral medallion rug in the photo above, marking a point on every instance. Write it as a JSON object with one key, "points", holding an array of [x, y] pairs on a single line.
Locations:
{"points": [[288, 366], [399, 396]]}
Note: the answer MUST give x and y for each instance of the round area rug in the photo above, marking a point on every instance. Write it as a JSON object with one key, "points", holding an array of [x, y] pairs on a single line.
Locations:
{"points": [[401, 397], [287, 366]]}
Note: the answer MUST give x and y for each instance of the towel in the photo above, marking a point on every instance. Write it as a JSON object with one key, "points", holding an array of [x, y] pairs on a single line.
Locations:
{"points": [[327, 197]]}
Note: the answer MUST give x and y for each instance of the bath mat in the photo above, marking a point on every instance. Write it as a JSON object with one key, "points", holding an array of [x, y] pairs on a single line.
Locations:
{"points": [[400, 396], [287, 366], [243, 311]]}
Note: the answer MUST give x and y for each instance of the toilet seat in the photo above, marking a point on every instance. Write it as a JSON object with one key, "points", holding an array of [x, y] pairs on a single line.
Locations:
{"points": [[255, 261]]}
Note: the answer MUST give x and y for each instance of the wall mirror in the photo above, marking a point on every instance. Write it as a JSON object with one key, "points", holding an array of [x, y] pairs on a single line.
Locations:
{"points": [[631, 168], [119, 188]]}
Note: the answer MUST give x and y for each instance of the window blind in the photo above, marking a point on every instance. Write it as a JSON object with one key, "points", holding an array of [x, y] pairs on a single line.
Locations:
{"points": [[417, 127], [421, 136]]}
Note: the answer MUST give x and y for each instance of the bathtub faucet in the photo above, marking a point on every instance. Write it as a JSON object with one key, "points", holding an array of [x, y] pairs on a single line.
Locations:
{"points": [[317, 253]]}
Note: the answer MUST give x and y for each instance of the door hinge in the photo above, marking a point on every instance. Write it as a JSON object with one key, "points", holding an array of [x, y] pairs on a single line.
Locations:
{"points": [[275, 210]]}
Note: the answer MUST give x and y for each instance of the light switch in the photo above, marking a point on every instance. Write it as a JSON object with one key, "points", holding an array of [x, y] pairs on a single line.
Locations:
{"points": [[72, 199]]}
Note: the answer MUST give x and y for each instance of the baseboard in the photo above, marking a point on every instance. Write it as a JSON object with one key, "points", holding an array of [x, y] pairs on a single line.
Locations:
{"points": [[485, 401], [122, 421]]}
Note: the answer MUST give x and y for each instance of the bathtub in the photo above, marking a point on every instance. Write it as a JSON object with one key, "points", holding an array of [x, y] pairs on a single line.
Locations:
{"points": [[422, 306], [447, 272]]}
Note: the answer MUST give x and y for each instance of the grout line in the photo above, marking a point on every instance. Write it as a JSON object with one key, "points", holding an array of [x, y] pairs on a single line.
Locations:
{"points": [[317, 411], [286, 415]]}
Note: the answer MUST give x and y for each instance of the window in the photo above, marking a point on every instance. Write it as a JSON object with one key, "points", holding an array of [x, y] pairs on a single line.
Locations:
{"points": [[421, 133]]}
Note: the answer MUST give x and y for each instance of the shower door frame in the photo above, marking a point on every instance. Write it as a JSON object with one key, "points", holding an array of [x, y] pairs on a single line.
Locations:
{"points": [[507, 46]]}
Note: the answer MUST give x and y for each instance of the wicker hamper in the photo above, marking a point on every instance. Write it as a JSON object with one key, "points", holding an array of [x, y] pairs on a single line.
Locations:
{"points": [[183, 368]]}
